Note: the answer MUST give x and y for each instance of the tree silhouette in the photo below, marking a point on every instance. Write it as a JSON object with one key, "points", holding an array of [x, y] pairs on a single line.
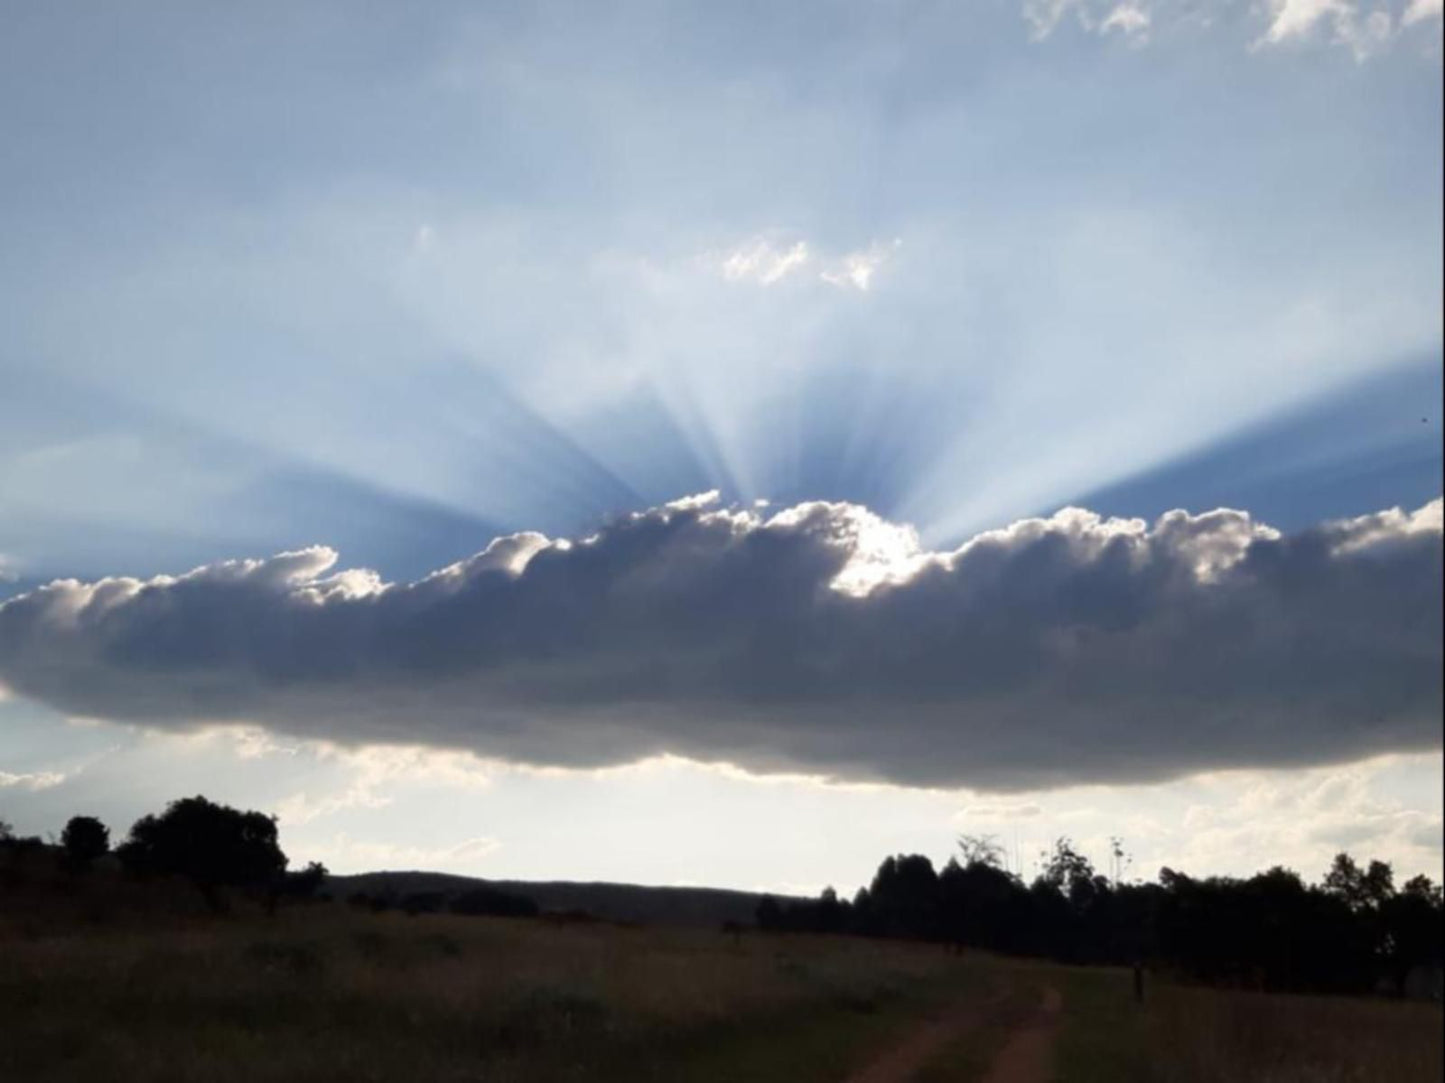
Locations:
{"points": [[493, 902], [904, 896], [213, 845], [306, 883], [1352, 886], [1068, 871], [769, 915], [980, 850], [85, 838]]}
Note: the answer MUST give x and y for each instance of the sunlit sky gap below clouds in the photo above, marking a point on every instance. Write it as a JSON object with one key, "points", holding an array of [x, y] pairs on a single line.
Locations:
{"points": [[284, 277]]}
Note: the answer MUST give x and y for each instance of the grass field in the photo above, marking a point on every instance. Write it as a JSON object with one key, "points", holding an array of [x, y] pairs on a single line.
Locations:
{"points": [[327, 993]]}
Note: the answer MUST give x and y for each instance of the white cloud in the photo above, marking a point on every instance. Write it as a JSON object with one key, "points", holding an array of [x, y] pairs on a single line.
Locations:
{"points": [[1365, 37], [1044, 15], [33, 781], [1130, 19], [347, 854], [856, 269], [1300, 819], [375, 773], [763, 263], [1420, 10], [1340, 22], [1298, 20], [1002, 812]]}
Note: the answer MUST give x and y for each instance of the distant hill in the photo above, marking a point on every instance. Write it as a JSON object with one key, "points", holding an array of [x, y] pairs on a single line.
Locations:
{"points": [[688, 907]]}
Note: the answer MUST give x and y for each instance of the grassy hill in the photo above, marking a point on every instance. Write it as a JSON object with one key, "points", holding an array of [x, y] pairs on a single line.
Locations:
{"points": [[676, 907], [325, 992], [106, 977]]}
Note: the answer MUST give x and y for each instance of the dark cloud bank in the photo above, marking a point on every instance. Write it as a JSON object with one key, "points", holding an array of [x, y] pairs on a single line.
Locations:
{"points": [[818, 638]]}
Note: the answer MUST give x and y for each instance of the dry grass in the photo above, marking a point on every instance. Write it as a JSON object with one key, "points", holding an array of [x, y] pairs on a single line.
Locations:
{"points": [[325, 993], [1294, 1039], [118, 981], [1194, 1035]]}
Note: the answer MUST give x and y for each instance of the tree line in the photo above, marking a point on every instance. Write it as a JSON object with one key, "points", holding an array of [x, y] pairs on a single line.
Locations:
{"points": [[217, 847], [213, 846], [1353, 932]]}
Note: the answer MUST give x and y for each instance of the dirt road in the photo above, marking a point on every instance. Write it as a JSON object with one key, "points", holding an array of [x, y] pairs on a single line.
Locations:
{"points": [[1027, 1056], [920, 1046]]}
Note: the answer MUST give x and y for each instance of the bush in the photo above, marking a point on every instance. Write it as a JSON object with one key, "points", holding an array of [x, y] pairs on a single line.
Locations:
{"points": [[85, 838], [494, 903]]}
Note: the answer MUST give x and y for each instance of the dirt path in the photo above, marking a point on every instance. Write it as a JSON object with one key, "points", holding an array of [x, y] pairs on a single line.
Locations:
{"points": [[921, 1045], [1027, 1057]]}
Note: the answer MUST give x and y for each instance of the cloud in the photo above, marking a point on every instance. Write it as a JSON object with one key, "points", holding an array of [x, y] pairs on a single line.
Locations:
{"points": [[1304, 817], [1044, 15], [1338, 22], [762, 262], [346, 854], [818, 639], [1023, 810], [374, 771], [856, 269], [34, 781], [1419, 11], [1129, 19], [1297, 20]]}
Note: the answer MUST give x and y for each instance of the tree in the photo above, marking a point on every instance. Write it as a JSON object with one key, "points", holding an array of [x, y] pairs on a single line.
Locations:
{"points": [[423, 902], [1379, 883], [1423, 887], [85, 838], [980, 850], [1119, 860], [493, 902], [768, 915], [306, 883], [213, 845], [6, 831], [1069, 871], [1345, 881], [904, 896]]}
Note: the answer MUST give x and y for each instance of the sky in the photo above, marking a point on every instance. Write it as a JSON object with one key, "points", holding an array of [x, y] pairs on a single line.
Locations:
{"points": [[683, 443]]}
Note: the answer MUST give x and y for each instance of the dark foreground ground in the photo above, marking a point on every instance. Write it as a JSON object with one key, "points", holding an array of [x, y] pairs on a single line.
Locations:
{"points": [[326, 992]]}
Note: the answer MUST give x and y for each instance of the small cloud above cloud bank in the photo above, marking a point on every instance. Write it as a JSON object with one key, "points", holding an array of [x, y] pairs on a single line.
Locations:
{"points": [[1365, 31], [347, 854], [856, 269], [1024, 810], [1129, 17], [819, 638], [765, 262], [761, 262], [1420, 10], [33, 781], [1131, 20]]}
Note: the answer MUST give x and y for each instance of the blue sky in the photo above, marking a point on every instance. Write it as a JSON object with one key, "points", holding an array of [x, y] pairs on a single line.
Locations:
{"points": [[400, 282]]}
